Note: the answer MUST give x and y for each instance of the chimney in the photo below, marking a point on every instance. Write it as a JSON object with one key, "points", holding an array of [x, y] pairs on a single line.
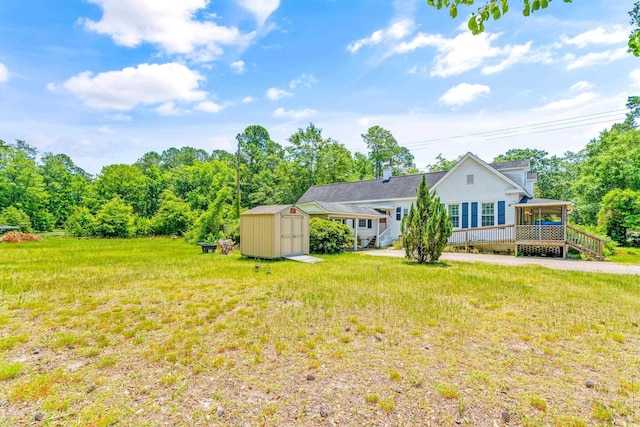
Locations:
{"points": [[386, 173]]}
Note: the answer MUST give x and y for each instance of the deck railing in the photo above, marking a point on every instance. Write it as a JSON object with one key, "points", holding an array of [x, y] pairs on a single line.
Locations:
{"points": [[547, 233], [585, 242], [482, 236]]}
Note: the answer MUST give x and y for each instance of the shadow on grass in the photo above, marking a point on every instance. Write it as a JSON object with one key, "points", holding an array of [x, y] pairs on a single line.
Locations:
{"points": [[436, 264]]}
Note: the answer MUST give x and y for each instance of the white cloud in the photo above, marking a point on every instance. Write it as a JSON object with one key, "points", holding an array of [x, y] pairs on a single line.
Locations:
{"points": [[306, 80], [261, 9], [169, 109], [275, 93], [119, 117], [581, 86], [397, 31], [595, 58], [4, 73], [171, 25], [144, 84], [294, 114], [106, 130], [463, 93], [466, 52], [248, 100], [570, 103], [617, 35], [238, 67], [210, 107]]}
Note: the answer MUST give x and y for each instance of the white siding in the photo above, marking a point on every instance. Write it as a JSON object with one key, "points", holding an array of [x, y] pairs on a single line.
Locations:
{"points": [[486, 188], [518, 176], [394, 232]]}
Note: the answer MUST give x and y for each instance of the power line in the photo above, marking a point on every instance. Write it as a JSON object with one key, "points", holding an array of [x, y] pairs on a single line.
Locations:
{"points": [[546, 126]]}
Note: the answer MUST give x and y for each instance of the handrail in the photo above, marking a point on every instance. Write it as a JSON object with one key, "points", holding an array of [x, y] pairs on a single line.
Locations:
{"points": [[585, 242]]}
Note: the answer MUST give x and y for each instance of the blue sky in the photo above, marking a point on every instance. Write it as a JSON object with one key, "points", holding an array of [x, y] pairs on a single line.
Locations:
{"points": [[106, 81]]}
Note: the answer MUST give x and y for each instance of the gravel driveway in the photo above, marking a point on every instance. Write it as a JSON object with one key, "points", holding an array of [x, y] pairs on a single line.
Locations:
{"points": [[553, 263]]}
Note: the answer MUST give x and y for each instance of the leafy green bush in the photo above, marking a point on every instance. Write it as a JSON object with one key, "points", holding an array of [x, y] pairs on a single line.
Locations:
{"points": [[114, 219], [80, 223], [207, 228], [174, 216], [328, 237], [16, 217], [142, 226]]}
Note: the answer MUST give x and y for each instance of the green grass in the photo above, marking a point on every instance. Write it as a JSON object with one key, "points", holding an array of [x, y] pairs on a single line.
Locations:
{"points": [[155, 327], [626, 256]]}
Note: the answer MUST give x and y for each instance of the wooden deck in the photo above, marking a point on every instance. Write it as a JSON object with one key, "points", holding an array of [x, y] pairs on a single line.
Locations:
{"points": [[529, 236]]}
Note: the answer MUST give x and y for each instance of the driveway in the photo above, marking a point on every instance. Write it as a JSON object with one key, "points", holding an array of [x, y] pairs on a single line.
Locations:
{"points": [[553, 263]]}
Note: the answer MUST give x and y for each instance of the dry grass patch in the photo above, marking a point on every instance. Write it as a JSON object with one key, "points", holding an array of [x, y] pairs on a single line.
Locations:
{"points": [[155, 327]]}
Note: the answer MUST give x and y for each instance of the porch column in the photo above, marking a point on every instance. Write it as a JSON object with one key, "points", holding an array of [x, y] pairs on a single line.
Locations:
{"points": [[378, 233], [355, 234]]}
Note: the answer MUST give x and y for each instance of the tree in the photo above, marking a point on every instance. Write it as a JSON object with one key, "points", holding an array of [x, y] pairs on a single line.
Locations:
{"points": [[442, 164], [606, 163], [126, 182], [114, 219], [490, 9], [427, 227], [80, 223], [385, 151], [555, 174], [634, 37], [619, 213], [17, 218], [174, 216]]}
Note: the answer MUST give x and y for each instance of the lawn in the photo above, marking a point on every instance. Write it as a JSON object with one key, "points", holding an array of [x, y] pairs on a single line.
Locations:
{"points": [[149, 332]]}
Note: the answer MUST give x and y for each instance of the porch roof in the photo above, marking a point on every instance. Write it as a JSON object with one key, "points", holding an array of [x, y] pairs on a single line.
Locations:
{"points": [[538, 202], [339, 210]]}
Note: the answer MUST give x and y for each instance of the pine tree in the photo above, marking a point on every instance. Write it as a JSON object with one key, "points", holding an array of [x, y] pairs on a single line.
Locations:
{"points": [[426, 228]]}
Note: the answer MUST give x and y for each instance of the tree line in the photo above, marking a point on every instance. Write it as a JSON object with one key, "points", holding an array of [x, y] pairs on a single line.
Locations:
{"points": [[190, 192], [182, 191]]}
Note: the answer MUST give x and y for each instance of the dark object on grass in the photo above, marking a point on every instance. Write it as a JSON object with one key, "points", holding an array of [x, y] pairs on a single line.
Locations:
{"points": [[310, 377], [91, 388], [323, 412], [39, 416], [208, 247], [506, 416], [590, 384]]}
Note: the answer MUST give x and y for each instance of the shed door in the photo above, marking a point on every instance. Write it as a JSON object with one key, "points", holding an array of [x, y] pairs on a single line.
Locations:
{"points": [[291, 239]]}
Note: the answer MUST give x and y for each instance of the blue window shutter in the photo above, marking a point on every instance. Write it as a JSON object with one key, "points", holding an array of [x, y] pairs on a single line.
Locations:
{"points": [[501, 215], [368, 223], [474, 214], [465, 215]]}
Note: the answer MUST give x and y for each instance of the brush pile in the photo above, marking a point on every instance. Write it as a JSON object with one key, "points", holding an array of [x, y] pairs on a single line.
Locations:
{"points": [[16, 237]]}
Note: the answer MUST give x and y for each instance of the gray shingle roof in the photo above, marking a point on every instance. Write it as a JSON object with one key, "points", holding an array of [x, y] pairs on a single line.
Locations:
{"points": [[339, 208], [398, 187]]}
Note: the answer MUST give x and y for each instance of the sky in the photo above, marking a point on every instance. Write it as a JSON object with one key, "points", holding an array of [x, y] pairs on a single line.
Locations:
{"points": [[106, 81]]}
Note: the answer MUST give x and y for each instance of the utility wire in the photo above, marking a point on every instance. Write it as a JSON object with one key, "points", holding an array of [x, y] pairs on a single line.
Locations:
{"points": [[547, 126]]}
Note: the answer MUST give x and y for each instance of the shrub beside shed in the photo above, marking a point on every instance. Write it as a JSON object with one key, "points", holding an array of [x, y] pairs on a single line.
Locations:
{"points": [[274, 231]]}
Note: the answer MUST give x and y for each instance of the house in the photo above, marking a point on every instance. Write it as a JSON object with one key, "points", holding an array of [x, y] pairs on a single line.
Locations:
{"points": [[485, 202]]}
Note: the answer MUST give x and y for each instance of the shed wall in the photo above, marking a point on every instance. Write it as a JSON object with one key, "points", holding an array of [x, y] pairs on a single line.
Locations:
{"points": [[260, 236]]}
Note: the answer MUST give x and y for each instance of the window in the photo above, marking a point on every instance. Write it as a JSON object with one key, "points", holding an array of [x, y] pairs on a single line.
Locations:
{"points": [[364, 223], [469, 179], [398, 213], [487, 214], [454, 214], [406, 211]]}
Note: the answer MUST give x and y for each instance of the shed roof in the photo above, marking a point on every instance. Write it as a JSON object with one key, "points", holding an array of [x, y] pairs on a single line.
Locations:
{"points": [[266, 210], [398, 187], [346, 211]]}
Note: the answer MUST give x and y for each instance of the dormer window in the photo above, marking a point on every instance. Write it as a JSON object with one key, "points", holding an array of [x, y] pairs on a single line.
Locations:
{"points": [[469, 179]]}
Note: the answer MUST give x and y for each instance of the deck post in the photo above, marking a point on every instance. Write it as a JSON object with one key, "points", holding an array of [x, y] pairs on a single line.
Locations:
{"points": [[355, 234], [378, 233], [466, 240]]}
